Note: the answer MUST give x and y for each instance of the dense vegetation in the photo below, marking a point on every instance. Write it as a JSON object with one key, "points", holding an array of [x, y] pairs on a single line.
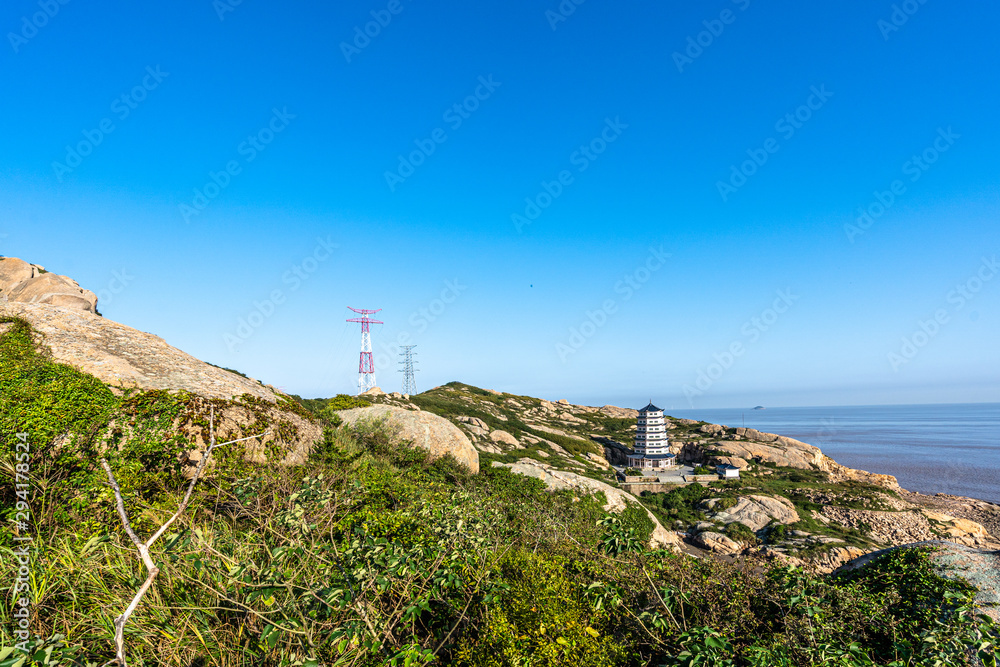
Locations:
{"points": [[683, 507], [373, 554]]}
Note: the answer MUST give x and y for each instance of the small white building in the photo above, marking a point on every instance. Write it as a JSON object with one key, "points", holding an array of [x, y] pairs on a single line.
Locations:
{"points": [[651, 447], [727, 471]]}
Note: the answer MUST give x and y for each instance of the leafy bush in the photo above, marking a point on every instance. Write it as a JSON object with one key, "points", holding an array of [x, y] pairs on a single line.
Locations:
{"points": [[776, 533], [739, 532], [374, 554]]}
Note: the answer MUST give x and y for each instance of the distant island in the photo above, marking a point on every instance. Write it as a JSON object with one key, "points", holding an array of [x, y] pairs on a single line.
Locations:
{"points": [[760, 407]]}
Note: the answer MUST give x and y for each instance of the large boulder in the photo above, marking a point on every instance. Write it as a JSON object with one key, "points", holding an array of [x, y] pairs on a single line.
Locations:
{"points": [[617, 500], [755, 512], [121, 356], [22, 282], [504, 438], [435, 434], [783, 452], [716, 542], [979, 568], [476, 426]]}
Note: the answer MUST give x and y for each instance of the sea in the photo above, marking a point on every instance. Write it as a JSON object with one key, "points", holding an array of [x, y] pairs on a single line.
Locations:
{"points": [[953, 448]]}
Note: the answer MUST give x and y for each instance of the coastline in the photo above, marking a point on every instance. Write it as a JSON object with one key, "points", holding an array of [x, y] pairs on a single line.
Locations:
{"points": [[931, 449]]}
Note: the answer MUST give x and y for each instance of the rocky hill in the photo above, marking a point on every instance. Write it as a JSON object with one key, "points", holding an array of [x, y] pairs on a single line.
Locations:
{"points": [[131, 366], [792, 502], [450, 527], [65, 317], [30, 283]]}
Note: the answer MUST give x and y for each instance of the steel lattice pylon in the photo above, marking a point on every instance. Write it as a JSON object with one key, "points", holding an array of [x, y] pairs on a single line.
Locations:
{"points": [[366, 367], [409, 383]]}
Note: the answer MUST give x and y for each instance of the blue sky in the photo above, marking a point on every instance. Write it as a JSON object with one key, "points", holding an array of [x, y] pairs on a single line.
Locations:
{"points": [[620, 205]]}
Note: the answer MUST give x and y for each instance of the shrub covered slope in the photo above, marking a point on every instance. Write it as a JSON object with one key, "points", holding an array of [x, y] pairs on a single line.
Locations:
{"points": [[369, 553]]}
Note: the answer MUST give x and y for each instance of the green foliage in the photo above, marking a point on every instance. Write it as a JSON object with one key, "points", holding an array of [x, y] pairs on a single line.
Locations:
{"points": [[373, 553], [738, 532], [619, 538], [679, 504], [776, 533], [325, 409], [543, 618], [725, 503], [455, 399]]}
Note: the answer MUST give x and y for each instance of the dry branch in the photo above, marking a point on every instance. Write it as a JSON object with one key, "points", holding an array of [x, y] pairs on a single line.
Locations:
{"points": [[143, 547]]}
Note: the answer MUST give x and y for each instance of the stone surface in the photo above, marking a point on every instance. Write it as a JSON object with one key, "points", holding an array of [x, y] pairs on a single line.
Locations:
{"points": [[742, 464], [22, 282], [896, 528], [755, 512], [789, 454], [121, 356], [824, 562], [716, 542], [473, 421], [619, 413], [980, 568], [504, 438], [599, 460], [984, 513], [435, 434], [617, 500]]}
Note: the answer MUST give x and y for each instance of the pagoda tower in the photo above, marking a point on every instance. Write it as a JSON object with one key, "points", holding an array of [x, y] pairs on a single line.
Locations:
{"points": [[651, 447]]}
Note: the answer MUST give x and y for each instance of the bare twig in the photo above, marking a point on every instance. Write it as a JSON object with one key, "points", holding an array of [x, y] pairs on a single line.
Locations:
{"points": [[143, 547]]}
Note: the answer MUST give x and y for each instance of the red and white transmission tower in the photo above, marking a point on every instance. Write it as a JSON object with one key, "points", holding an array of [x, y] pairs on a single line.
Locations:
{"points": [[366, 367]]}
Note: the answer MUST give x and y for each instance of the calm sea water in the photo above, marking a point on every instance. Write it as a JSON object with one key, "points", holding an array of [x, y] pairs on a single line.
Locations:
{"points": [[929, 448]]}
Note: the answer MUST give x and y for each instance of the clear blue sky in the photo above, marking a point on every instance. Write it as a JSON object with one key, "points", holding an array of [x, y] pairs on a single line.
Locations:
{"points": [[309, 129]]}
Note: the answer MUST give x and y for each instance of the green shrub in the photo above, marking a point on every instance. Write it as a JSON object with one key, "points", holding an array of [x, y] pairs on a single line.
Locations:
{"points": [[776, 533], [725, 503], [739, 532], [373, 554]]}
